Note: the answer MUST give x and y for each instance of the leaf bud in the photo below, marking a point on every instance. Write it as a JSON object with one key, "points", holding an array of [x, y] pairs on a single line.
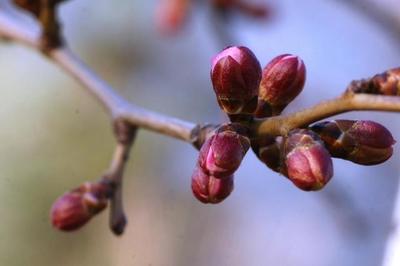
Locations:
{"points": [[362, 142], [75, 208]]}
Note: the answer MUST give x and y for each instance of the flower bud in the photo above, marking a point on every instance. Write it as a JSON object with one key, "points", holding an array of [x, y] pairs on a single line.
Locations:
{"points": [[75, 208], [308, 163], [282, 80], [209, 189], [221, 155], [387, 83], [362, 142], [268, 150], [235, 75]]}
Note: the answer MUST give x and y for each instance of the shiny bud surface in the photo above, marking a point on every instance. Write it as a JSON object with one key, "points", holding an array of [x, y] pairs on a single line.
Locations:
{"points": [[308, 164], [236, 75], [362, 142], [75, 208], [221, 155], [209, 189], [282, 80]]}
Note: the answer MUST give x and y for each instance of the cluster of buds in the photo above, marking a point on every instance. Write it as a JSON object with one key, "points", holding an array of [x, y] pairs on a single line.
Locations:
{"points": [[76, 207], [219, 157], [245, 92]]}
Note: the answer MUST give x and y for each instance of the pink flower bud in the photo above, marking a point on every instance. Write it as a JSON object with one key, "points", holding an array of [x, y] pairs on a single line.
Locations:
{"points": [[221, 155], [209, 189], [235, 75], [308, 163], [362, 142], [282, 80], [75, 208]]}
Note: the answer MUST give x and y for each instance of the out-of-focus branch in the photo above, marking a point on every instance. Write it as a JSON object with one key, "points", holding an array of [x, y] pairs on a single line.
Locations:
{"points": [[117, 106], [281, 125]]}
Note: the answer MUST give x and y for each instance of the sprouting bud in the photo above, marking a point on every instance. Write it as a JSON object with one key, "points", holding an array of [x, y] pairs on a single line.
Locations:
{"points": [[307, 162], [235, 75], [221, 154], [76, 207], [282, 80], [209, 189], [362, 142], [268, 150], [386, 83]]}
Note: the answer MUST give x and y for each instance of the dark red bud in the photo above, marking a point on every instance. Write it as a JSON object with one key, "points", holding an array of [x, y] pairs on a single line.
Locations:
{"points": [[209, 189], [235, 75], [75, 208], [282, 80], [268, 150], [222, 153], [308, 164], [362, 142]]}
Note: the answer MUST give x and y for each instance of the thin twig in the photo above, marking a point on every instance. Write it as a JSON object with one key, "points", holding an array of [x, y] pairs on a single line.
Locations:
{"points": [[281, 125], [116, 105]]}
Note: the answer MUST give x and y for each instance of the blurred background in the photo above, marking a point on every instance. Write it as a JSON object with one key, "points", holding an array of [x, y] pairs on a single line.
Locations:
{"points": [[54, 136]]}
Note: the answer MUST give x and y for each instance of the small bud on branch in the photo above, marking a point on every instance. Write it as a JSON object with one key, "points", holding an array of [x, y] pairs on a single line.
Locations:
{"points": [[235, 75], [308, 163], [282, 80], [362, 142]]}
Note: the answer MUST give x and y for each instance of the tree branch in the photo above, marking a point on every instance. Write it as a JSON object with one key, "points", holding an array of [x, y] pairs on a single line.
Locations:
{"points": [[281, 125], [116, 105]]}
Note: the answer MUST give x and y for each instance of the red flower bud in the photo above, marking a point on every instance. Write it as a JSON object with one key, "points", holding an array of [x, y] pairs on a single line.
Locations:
{"points": [[308, 163], [282, 80], [209, 189], [221, 155], [75, 208], [362, 142], [235, 75]]}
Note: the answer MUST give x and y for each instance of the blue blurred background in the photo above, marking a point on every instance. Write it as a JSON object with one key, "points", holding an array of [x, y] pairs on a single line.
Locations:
{"points": [[54, 136]]}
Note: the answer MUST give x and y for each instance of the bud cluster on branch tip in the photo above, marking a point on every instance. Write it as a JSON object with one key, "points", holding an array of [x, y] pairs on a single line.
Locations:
{"points": [[308, 164], [362, 142], [219, 157], [282, 80], [268, 150], [236, 75], [76, 207]]}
